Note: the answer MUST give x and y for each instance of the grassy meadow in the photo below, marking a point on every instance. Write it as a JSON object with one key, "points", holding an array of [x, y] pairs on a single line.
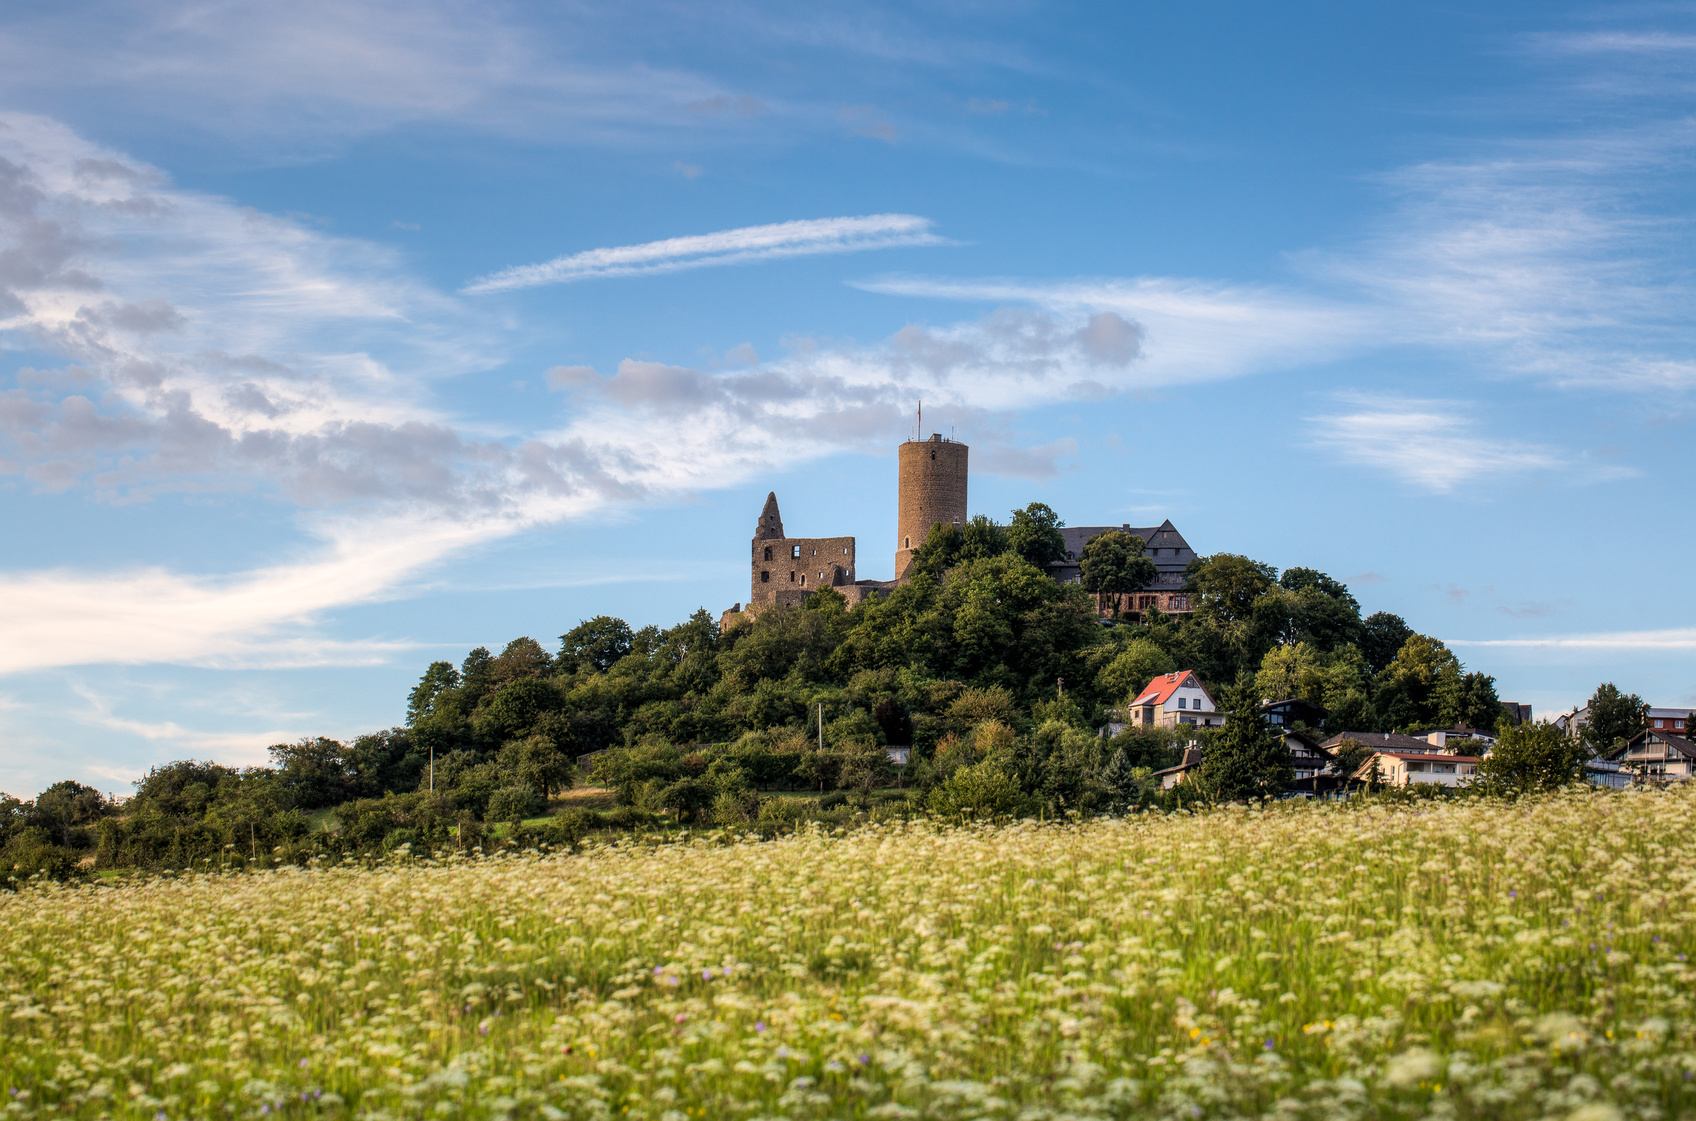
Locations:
{"points": [[1452, 958]]}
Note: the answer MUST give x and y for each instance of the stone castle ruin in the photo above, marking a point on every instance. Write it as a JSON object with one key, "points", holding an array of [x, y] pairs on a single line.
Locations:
{"points": [[930, 491]]}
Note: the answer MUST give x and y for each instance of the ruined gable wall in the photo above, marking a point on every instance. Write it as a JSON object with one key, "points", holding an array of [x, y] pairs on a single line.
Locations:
{"points": [[824, 562]]}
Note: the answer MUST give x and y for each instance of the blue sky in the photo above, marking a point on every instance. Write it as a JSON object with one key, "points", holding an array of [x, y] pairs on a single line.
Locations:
{"points": [[340, 337]]}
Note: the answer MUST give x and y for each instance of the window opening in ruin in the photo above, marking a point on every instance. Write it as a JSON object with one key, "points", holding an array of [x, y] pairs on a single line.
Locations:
{"points": [[906, 542], [765, 577], [795, 550], [768, 552], [791, 577]]}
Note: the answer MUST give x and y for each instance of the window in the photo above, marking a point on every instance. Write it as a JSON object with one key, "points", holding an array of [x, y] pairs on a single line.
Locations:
{"points": [[844, 552], [815, 552], [1443, 768], [1417, 768], [906, 542], [803, 579], [765, 577], [1656, 723], [768, 552], [1182, 703], [795, 550], [791, 576]]}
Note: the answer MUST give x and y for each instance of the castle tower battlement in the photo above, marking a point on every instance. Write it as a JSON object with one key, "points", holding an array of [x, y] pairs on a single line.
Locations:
{"points": [[931, 491]]}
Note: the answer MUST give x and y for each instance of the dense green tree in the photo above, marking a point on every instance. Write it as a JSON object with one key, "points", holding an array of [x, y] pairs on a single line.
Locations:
{"points": [[1245, 758], [1382, 637], [1229, 586], [1114, 564], [594, 644], [1613, 718], [1034, 535], [1532, 757], [1132, 668], [439, 677], [538, 762]]}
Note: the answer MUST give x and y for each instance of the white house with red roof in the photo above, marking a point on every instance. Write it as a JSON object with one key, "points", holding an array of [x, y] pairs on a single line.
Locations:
{"points": [[1173, 699]]}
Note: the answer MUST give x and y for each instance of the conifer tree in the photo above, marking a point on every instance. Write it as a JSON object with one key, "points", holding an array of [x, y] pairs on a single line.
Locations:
{"points": [[1246, 758]]}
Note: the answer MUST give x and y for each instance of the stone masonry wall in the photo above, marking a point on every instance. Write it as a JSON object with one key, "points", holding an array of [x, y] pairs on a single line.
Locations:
{"points": [[931, 485], [823, 561]]}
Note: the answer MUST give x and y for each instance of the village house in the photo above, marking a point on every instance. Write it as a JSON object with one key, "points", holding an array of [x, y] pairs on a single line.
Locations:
{"points": [[1174, 699], [1654, 755], [1414, 768], [1172, 776]]}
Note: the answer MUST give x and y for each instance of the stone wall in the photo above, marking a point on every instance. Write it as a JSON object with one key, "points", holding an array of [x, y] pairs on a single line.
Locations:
{"points": [[790, 578], [931, 490]]}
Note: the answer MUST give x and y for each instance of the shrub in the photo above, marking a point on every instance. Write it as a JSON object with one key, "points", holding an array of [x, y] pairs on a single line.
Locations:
{"points": [[514, 803]]}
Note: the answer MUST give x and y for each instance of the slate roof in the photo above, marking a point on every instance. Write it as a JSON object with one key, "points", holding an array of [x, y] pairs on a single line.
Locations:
{"points": [[1382, 741], [1167, 548]]}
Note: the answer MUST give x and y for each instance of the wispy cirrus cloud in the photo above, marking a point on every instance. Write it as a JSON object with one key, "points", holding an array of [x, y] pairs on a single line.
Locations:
{"points": [[1672, 638], [802, 238], [1432, 445]]}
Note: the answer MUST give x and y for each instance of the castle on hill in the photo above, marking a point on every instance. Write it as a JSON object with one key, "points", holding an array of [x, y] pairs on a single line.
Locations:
{"points": [[931, 491]]}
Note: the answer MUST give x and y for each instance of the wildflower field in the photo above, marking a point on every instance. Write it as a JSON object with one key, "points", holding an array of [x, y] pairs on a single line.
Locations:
{"points": [[1462, 958]]}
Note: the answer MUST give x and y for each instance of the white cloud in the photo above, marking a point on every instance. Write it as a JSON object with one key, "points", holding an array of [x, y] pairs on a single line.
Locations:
{"points": [[1675, 638], [1541, 261], [295, 79], [802, 238], [1188, 330], [1433, 445]]}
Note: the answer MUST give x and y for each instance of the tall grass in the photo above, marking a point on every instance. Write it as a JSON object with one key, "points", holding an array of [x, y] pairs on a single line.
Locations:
{"points": [[1454, 959]]}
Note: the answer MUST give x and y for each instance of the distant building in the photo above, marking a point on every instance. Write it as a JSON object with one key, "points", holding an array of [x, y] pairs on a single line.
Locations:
{"points": [[1174, 699], [1518, 713], [1306, 755], [1163, 545], [1292, 711], [1475, 737], [1172, 776], [1416, 768], [1670, 719], [1664, 719], [1655, 755], [1379, 741]]}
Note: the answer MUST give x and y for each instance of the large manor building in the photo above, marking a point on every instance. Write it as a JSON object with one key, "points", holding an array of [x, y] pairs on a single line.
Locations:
{"points": [[931, 491]]}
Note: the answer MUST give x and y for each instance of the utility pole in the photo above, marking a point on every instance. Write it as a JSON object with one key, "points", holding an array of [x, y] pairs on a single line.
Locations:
{"points": [[821, 725]]}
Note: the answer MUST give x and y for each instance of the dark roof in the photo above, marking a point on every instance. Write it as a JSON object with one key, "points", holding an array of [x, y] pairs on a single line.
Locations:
{"points": [[1461, 730], [1167, 548], [1310, 743], [1379, 741], [1656, 735], [1192, 758]]}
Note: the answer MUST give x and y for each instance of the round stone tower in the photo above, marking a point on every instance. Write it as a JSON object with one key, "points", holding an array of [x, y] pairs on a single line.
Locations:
{"points": [[931, 491]]}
